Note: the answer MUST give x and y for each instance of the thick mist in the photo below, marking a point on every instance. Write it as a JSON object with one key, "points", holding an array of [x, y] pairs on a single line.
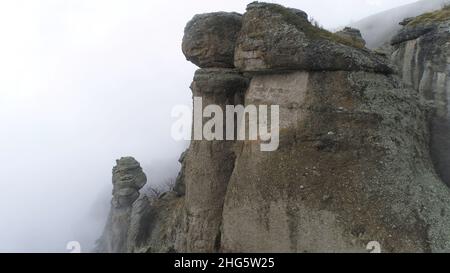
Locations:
{"points": [[378, 29], [83, 83]]}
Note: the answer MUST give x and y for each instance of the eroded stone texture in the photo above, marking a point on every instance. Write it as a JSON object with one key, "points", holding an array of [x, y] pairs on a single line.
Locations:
{"points": [[159, 225], [209, 39], [128, 179], [180, 185], [352, 34], [274, 38], [422, 52], [353, 167], [209, 164]]}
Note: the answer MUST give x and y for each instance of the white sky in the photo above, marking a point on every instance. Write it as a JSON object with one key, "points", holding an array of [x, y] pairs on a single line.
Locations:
{"points": [[85, 82]]}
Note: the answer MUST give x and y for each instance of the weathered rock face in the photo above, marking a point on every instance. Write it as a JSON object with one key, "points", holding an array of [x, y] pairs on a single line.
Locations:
{"points": [[158, 225], [210, 39], [422, 51], [128, 179], [180, 186], [209, 164], [353, 164], [353, 35], [274, 38], [352, 167], [412, 32]]}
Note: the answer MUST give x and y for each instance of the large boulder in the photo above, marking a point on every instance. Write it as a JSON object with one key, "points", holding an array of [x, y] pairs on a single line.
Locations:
{"points": [[275, 38], [209, 39]]}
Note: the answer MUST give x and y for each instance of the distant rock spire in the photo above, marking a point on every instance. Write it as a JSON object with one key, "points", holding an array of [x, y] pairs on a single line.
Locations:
{"points": [[128, 179]]}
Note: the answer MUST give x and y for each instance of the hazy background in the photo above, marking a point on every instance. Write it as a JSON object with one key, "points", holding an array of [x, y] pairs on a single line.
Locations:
{"points": [[84, 82]]}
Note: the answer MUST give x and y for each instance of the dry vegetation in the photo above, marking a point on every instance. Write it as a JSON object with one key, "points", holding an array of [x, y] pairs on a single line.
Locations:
{"points": [[155, 192], [430, 17], [313, 29]]}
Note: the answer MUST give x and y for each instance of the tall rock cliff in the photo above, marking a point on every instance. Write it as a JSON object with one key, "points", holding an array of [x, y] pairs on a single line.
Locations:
{"points": [[422, 52], [353, 164]]}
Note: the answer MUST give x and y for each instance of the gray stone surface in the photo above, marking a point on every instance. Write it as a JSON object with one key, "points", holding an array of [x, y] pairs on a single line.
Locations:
{"points": [[209, 39], [180, 185], [412, 33], [209, 164], [274, 38], [353, 34], [353, 165], [128, 179], [422, 52]]}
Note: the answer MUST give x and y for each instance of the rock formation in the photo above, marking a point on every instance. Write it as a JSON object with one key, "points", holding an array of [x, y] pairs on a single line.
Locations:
{"points": [[210, 38], [275, 39], [422, 51], [353, 165], [353, 35], [128, 179], [209, 164]]}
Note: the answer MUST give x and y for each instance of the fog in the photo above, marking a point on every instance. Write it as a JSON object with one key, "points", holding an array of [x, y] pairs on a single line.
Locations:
{"points": [[85, 82], [377, 31]]}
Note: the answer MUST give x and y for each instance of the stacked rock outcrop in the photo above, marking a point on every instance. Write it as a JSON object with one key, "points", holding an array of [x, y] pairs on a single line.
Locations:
{"points": [[128, 179], [209, 164], [353, 164]]}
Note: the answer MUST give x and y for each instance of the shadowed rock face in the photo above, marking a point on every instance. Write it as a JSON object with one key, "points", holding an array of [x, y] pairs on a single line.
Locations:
{"points": [[209, 164], [422, 51], [353, 164], [209, 39]]}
